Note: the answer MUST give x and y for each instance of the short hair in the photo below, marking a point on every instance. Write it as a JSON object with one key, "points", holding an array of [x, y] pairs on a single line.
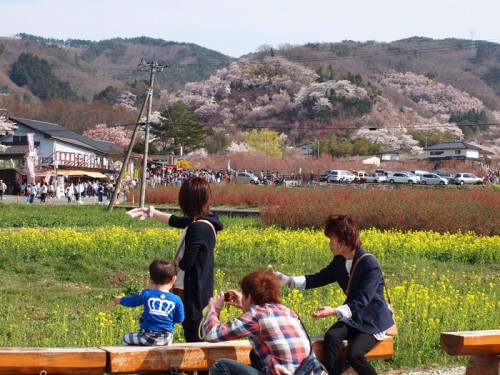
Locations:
{"points": [[194, 197], [344, 229], [161, 271], [262, 286]]}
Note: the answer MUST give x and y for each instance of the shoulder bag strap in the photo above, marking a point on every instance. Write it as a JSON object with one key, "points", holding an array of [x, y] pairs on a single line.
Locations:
{"points": [[184, 239], [211, 226], [179, 248], [352, 272], [383, 279]]}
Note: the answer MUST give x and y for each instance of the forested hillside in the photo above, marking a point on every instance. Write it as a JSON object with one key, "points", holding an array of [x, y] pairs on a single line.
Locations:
{"points": [[399, 96]]}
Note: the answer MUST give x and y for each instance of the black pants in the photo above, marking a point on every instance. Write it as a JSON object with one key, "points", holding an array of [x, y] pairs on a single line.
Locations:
{"points": [[191, 328], [361, 343]]}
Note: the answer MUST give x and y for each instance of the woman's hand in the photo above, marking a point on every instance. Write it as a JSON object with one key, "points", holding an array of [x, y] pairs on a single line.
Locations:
{"points": [[323, 312], [144, 212], [217, 301]]}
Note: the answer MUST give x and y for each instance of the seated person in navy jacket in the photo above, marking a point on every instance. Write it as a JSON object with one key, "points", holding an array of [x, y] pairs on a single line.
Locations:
{"points": [[364, 317]]}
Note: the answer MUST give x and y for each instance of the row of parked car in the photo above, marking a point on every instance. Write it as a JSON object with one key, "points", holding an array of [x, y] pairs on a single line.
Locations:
{"points": [[410, 177]]}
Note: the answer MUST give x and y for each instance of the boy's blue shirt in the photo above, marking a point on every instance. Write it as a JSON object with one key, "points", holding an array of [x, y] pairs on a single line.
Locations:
{"points": [[161, 309]]}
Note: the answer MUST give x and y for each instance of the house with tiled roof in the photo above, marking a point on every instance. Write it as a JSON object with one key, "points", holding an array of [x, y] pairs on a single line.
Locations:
{"points": [[452, 150], [59, 151]]}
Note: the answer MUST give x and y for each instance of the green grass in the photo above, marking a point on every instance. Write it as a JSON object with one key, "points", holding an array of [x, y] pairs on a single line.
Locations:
{"points": [[19, 216], [57, 290]]}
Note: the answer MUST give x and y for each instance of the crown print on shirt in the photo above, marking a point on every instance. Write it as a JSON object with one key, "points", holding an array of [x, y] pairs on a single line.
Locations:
{"points": [[160, 306]]}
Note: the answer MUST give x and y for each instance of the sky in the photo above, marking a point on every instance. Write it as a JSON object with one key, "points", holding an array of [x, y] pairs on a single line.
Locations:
{"points": [[238, 27]]}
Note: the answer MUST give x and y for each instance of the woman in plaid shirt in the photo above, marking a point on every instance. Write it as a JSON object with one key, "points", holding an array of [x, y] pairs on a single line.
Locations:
{"points": [[280, 342]]}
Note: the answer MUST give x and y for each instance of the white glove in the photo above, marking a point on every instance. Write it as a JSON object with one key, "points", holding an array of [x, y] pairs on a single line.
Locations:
{"points": [[282, 278]]}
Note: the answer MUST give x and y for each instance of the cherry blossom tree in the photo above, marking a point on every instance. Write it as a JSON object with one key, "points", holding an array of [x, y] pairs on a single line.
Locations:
{"points": [[6, 128], [102, 132]]}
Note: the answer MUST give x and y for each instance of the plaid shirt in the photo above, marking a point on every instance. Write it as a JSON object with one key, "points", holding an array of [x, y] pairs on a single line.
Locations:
{"points": [[274, 331]]}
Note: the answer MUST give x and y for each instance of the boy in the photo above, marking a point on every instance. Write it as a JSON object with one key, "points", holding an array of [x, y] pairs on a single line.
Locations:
{"points": [[162, 309]]}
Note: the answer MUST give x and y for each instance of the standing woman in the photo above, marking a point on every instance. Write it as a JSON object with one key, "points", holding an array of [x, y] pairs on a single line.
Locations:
{"points": [[364, 317], [199, 242]]}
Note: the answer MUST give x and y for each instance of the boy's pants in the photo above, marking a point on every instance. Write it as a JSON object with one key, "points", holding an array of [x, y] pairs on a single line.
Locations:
{"points": [[145, 337]]}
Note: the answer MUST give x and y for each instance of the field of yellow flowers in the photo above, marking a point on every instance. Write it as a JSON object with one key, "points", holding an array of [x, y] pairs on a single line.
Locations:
{"points": [[57, 283]]}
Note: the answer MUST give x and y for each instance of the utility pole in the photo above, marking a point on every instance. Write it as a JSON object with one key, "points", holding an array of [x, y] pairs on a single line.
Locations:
{"points": [[153, 67]]}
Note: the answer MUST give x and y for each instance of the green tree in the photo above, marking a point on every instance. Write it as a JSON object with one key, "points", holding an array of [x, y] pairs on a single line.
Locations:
{"points": [[139, 148], [364, 146], [217, 141], [182, 125], [108, 95], [265, 140], [36, 73]]}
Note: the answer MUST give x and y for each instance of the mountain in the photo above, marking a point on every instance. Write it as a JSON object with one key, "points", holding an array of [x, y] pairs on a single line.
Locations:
{"points": [[90, 67], [403, 94]]}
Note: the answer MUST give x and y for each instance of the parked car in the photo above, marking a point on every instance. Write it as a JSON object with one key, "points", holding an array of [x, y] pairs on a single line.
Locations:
{"points": [[324, 176], [340, 175], [416, 177], [376, 178], [419, 173], [386, 172], [403, 178], [446, 175], [433, 179], [466, 178], [360, 176], [246, 178]]}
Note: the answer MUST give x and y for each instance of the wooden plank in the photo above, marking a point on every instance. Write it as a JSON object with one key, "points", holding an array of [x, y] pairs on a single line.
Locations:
{"points": [[200, 356], [483, 365], [187, 357], [54, 361], [471, 342]]}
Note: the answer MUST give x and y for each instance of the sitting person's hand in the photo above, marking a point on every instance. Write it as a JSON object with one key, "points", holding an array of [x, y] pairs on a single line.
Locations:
{"points": [[217, 301], [233, 298], [283, 279], [323, 312]]}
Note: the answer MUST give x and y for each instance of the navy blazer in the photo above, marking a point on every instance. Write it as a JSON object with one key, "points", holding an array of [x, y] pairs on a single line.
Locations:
{"points": [[370, 313]]}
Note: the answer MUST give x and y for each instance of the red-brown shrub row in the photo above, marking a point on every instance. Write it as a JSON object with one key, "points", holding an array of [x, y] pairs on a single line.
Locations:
{"points": [[440, 210]]}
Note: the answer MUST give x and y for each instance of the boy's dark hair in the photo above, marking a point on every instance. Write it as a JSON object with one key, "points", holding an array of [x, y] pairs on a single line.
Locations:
{"points": [[262, 286], [161, 271]]}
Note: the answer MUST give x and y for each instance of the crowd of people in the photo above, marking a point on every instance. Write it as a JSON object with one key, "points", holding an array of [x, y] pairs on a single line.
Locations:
{"points": [[184, 293]]}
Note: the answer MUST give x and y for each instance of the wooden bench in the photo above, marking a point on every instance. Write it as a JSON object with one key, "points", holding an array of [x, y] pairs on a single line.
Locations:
{"points": [[140, 359], [52, 361], [200, 356], [482, 346]]}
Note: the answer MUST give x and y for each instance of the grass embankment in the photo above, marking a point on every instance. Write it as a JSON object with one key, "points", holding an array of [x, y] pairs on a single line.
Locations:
{"points": [[57, 282]]}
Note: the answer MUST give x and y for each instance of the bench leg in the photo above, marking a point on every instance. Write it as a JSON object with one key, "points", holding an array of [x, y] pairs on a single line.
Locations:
{"points": [[483, 365]]}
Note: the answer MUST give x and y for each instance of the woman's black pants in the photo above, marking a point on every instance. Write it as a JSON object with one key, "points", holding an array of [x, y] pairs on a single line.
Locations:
{"points": [[361, 343]]}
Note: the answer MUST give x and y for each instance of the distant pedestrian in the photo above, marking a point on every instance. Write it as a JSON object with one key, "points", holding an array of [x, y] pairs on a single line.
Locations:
{"points": [[3, 189]]}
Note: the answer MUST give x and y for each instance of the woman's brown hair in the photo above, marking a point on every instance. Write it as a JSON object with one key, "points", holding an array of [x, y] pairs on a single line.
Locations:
{"points": [[344, 229], [262, 286], [194, 197]]}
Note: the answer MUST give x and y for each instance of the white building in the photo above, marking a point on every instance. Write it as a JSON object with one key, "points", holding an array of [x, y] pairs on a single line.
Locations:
{"points": [[452, 150], [58, 151]]}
